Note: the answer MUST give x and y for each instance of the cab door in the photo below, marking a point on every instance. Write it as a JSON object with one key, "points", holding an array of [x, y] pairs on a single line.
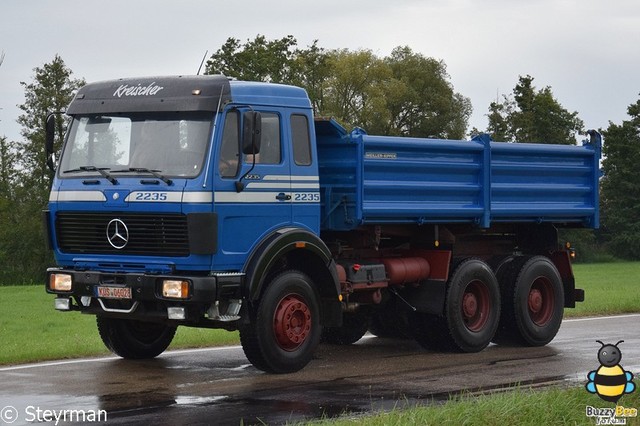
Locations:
{"points": [[264, 202], [305, 183]]}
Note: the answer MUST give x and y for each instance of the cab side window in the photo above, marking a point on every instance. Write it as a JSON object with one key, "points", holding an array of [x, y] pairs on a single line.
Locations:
{"points": [[230, 148], [270, 146], [301, 140]]}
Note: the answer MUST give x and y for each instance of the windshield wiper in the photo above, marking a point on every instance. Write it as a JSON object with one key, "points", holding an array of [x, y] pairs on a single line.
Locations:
{"points": [[154, 173], [101, 170]]}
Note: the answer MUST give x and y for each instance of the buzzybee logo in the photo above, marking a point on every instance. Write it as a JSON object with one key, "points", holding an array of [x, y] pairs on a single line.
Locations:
{"points": [[610, 382]]}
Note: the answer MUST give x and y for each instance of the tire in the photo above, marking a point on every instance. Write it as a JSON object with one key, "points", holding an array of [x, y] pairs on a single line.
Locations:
{"points": [[354, 326], [533, 302], [471, 311], [135, 339], [285, 328]]}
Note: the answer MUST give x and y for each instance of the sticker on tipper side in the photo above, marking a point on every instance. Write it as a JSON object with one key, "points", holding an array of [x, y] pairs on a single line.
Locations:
{"points": [[381, 155]]}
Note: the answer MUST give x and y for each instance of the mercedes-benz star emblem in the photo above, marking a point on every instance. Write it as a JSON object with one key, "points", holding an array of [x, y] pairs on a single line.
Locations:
{"points": [[117, 234]]}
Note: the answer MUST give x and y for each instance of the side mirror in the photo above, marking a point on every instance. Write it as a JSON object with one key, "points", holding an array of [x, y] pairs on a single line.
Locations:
{"points": [[251, 132], [50, 130]]}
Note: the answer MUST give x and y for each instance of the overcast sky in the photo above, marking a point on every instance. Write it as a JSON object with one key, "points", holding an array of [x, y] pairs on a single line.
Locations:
{"points": [[588, 51]]}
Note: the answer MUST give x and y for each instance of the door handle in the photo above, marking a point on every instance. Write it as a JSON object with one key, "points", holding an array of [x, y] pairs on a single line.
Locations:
{"points": [[283, 197]]}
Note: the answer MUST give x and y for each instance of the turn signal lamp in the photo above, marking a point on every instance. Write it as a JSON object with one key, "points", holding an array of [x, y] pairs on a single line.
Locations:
{"points": [[60, 282], [175, 289]]}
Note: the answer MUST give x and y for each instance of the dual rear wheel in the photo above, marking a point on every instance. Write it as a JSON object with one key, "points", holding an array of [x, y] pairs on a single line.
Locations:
{"points": [[522, 303]]}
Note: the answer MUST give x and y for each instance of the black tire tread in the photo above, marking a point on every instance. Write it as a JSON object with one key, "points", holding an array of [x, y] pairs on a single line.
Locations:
{"points": [[437, 332], [119, 337], [256, 345], [512, 329]]}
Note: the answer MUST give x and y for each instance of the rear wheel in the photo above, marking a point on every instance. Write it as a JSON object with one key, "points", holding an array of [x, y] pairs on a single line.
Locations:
{"points": [[135, 339], [533, 302], [471, 312], [285, 328]]}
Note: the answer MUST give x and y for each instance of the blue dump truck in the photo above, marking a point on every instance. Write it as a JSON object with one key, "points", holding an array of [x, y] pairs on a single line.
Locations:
{"points": [[206, 202]]}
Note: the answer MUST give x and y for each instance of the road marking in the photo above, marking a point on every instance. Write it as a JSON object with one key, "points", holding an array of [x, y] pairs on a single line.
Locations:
{"points": [[221, 348], [110, 358], [600, 318]]}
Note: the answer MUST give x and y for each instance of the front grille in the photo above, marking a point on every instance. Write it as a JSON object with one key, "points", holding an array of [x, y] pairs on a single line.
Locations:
{"points": [[148, 234]]}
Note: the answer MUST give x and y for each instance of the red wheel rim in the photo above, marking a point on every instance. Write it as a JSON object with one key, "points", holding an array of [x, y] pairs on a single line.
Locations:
{"points": [[540, 301], [476, 305], [291, 322]]}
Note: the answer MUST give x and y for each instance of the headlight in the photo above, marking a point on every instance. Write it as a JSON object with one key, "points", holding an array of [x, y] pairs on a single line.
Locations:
{"points": [[175, 289], [60, 282]]}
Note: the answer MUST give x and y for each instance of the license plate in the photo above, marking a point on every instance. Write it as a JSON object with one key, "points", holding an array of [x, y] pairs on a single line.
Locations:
{"points": [[114, 292]]}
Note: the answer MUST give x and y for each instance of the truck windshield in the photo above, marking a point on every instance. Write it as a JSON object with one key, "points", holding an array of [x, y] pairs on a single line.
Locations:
{"points": [[173, 144]]}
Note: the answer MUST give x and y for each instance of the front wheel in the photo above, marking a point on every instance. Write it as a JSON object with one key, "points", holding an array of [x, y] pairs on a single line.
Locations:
{"points": [[285, 329], [135, 339]]}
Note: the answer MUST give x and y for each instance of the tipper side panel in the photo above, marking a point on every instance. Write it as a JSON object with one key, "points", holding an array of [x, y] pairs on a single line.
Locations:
{"points": [[544, 183], [376, 180], [393, 180], [408, 180]]}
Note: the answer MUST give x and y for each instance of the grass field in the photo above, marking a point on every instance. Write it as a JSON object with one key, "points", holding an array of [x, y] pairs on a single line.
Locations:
{"points": [[611, 288], [31, 330], [519, 407]]}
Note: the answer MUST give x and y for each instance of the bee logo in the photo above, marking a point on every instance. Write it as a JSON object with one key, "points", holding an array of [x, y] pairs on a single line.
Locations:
{"points": [[610, 381]]}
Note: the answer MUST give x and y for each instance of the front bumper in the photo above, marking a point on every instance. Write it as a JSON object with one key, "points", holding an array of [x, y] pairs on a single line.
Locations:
{"points": [[140, 296]]}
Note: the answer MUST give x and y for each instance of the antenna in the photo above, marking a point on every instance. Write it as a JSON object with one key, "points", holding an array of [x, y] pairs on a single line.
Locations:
{"points": [[1, 57], [202, 62]]}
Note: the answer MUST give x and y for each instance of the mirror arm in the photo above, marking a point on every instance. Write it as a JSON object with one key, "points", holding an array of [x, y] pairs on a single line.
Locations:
{"points": [[240, 184]]}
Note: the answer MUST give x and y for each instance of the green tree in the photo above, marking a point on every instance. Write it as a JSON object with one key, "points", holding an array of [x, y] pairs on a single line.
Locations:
{"points": [[51, 90], [620, 196], [23, 252], [255, 60], [421, 99], [354, 92], [311, 69], [10, 215], [275, 61], [404, 94], [532, 115], [499, 113]]}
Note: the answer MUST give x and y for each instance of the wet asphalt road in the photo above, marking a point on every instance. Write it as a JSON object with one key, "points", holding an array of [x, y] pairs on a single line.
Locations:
{"points": [[219, 386]]}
